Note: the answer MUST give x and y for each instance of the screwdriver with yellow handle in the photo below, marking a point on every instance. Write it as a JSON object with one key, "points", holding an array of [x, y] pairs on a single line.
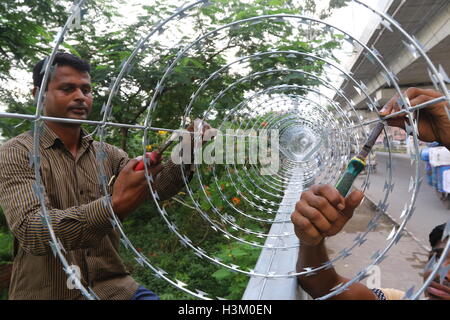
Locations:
{"points": [[358, 163]]}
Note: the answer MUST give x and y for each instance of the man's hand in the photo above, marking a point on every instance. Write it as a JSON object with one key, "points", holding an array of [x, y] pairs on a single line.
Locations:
{"points": [[202, 128], [322, 212], [433, 125], [131, 188], [196, 124]]}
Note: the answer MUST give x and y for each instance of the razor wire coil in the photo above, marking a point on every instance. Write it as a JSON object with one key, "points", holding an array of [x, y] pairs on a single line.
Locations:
{"points": [[296, 119]]}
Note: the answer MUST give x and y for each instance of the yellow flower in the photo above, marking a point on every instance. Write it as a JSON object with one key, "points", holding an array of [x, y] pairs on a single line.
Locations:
{"points": [[162, 132], [149, 148]]}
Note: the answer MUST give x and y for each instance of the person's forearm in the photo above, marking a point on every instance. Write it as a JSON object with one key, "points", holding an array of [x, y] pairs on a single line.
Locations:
{"points": [[170, 180], [441, 129], [322, 281], [75, 227]]}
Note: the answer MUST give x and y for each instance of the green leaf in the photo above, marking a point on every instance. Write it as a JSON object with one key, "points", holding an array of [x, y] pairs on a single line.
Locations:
{"points": [[222, 274]]}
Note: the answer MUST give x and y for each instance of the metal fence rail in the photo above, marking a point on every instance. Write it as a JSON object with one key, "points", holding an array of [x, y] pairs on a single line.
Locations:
{"points": [[279, 261]]}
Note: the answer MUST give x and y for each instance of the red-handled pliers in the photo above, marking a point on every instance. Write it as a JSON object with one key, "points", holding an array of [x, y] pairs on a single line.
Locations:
{"points": [[155, 156]]}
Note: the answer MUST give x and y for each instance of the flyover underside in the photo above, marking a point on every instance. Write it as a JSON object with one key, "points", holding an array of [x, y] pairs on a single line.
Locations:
{"points": [[429, 23]]}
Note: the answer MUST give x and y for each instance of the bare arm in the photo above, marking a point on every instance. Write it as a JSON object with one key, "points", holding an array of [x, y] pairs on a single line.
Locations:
{"points": [[434, 124], [322, 212], [323, 281], [77, 227]]}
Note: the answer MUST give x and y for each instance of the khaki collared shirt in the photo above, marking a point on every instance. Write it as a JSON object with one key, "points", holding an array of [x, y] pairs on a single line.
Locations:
{"points": [[81, 222]]}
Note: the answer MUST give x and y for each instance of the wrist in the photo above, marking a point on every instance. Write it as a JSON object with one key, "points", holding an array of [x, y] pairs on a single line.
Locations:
{"points": [[115, 204], [312, 246]]}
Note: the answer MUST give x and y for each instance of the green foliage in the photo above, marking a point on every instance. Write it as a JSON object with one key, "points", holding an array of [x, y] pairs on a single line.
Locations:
{"points": [[151, 236], [4, 294], [6, 247], [6, 241], [23, 30], [3, 223], [106, 49], [243, 255]]}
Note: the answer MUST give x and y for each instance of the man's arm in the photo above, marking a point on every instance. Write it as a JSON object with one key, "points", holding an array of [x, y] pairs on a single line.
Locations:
{"points": [[170, 180], [322, 212], [321, 283], [434, 124], [76, 227]]}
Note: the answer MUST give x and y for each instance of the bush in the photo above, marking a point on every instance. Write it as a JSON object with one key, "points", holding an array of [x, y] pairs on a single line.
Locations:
{"points": [[150, 235], [6, 241], [6, 247]]}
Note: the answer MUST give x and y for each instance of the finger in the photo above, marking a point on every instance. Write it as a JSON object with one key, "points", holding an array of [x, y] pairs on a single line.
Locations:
{"points": [[210, 134], [322, 205], [398, 122], [437, 285], [412, 93], [352, 201], [419, 100], [435, 109], [155, 158], [304, 229], [132, 163], [205, 125], [417, 96], [315, 216], [331, 194], [390, 106], [198, 125]]}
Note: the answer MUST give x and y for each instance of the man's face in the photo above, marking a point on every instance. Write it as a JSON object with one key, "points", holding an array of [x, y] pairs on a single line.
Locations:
{"points": [[69, 94], [435, 290]]}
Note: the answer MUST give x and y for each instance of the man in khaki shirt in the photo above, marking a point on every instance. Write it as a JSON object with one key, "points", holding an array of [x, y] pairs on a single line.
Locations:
{"points": [[73, 197]]}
